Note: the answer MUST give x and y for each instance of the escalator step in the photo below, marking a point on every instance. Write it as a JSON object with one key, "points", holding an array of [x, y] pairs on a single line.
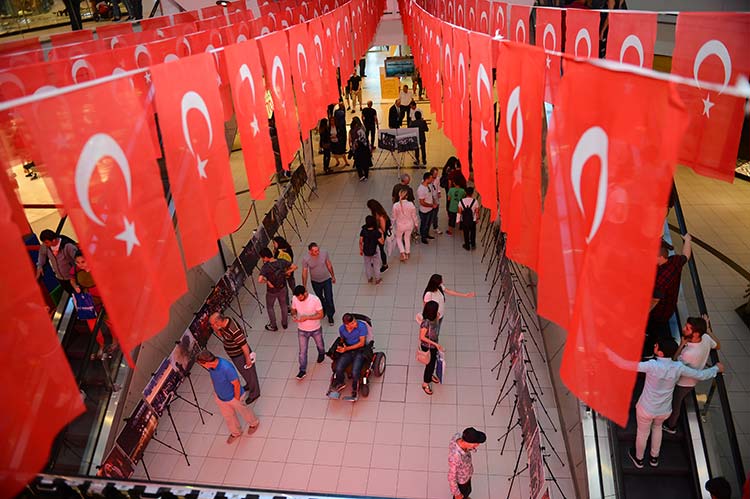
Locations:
{"points": [[672, 460], [643, 486]]}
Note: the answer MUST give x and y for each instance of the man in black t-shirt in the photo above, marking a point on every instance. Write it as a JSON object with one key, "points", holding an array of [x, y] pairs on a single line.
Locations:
{"points": [[274, 273], [355, 85], [369, 239], [370, 120]]}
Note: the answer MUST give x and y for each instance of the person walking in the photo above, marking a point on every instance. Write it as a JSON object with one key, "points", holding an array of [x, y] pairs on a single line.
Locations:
{"points": [[436, 291], [695, 347], [394, 115], [404, 181], [454, 195], [83, 282], [307, 311], [283, 250], [421, 124], [234, 339], [360, 149], [468, 213], [370, 120], [227, 393], [424, 195], [274, 274], [324, 132], [60, 251], [369, 239], [384, 224], [338, 136], [655, 403], [404, 215], [404, 101], [428, 337], [435, 190], [460, 468], [317, 265], [355, 85]]}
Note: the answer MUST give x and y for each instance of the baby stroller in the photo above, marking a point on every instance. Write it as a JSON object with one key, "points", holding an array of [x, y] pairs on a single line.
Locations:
{"points": [[375, 362]]}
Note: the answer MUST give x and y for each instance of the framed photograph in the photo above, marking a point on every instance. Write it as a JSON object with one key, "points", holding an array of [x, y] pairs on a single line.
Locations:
{"points": [[117, 464], [162, 386], [220, 297], [235, 276], [184, 354], [137, 432], [199, 327], [387, 139], [249, 257]]}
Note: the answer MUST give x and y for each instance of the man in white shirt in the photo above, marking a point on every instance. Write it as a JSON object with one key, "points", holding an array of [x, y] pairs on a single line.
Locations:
{"points": [[655, 403], [426, 204], [404, 101], [695, 347], [307, 310]]}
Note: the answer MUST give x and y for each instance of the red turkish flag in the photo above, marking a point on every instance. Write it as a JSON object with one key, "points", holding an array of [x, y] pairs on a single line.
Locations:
{"points": [[500, 19], [325, 61], [27, 80], [483, 120], [435, 86], [191, 119], [450, 11], [712, 47], [154, 23], [447, 62], [21, 59], [484, 17], [306, 89], [9, 189], [612, 171], [631, 37], [274, 50], [115, 29], [471, 15], [343, 35], [582, 33], [102, 164], [520, 99], [461, 101], [37, 378], [248, 92], [20, 46], [71, 37], [460, 13], [77, 50], [133, 39], [549, 37], [519, 23]]}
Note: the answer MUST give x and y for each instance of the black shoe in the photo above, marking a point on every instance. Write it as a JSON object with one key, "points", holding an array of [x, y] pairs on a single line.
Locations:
{"points": [[321, 357], [638, 463], [467, 248], [430, 237], [667, 429], [269, 327], [425, 241], [383, 268], [330, 321], [653, 461], [301, 374], [353, 397]]}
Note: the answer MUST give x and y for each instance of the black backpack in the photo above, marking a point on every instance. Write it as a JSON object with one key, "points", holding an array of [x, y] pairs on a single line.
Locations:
{"points": [[467, 213]]}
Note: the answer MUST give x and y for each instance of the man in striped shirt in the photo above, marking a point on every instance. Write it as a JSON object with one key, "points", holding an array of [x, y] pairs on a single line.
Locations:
{"points": [[235, 345]]}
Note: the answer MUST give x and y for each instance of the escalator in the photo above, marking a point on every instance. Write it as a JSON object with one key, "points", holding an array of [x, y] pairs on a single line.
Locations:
{"points": [[705, 445]]}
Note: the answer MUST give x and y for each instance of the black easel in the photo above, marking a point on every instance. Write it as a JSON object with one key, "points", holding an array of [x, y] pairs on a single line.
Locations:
{"points": [[181, 450], [195, 403]]}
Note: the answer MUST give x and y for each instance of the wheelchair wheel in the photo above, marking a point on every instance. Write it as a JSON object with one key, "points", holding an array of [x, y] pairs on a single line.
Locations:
{"points": [[364, 389], [379, 364]]}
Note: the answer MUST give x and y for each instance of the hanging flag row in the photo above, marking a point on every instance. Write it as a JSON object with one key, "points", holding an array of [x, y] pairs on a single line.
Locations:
{"points": [[98, 148], [591, 228]]}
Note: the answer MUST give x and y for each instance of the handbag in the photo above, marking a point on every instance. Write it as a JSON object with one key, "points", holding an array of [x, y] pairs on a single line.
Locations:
{"points": [[84, 303], [422, 356]]}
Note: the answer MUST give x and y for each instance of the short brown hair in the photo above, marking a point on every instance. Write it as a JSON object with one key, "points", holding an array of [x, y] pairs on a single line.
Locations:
{"points": [[206, 356]]}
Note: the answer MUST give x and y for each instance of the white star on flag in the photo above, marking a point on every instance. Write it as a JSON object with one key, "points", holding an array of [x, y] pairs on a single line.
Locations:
{"points": [[549, 61], [517, 174], [483, 133], [254, 125], [303, 84], [707, 105], [202, 167], [128, 235], [147, 76]]}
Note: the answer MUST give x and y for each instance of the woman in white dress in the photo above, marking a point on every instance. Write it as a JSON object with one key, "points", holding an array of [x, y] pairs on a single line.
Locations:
{"points": [[404, 219]]}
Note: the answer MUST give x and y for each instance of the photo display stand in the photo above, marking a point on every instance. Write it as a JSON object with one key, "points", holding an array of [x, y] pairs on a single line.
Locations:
{"points": [[404, 141]]}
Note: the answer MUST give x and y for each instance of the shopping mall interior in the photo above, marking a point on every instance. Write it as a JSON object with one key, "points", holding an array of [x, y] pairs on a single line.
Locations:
{"points": [[151, 428]]}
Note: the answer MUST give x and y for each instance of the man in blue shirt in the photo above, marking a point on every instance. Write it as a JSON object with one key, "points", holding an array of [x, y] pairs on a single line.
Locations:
{"points": [[228, 393], [655, 403], [354, 336]]}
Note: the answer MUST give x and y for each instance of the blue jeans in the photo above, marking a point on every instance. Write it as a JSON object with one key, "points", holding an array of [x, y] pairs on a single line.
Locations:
{"points": [[356, 357], [424, 224], [324, 291], [304, 341]]}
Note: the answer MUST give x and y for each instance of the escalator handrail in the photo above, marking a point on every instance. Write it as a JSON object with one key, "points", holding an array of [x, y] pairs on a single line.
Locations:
{"points": [[719, 380]]}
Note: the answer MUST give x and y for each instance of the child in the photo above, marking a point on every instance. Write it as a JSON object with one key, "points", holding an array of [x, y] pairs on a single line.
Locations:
{"points": [[468, 211], [455, 194], [369, 239]]}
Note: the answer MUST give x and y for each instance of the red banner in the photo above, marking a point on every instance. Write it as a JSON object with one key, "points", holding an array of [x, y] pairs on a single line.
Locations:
{"points": [[310, 104], [461, 97], [483, 120], [102, 164], [712, 47], [519, 23], [325, 61], [631, 37], [549, 37], [37, 382], [190, 114], [520, 97], [500, 19], [484, 17], [582, 33]]}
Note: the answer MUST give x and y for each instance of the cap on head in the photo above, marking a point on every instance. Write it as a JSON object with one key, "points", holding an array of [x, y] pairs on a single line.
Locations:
{"points": [[473, 436]]}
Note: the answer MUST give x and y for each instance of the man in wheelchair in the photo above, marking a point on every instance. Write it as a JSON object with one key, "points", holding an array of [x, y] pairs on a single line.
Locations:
{"points": [[351, 350]]}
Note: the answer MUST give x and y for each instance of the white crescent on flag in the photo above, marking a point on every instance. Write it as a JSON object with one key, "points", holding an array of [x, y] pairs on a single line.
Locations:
{"points": [[583, 34], [246, 75], [549, 29], [594, 143], [301, 52], [717, 48], [514, 107], [634, 42], [522, 26], [277, 66], [141, 49], [81, 64], [12, 79], [193, 100]]}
